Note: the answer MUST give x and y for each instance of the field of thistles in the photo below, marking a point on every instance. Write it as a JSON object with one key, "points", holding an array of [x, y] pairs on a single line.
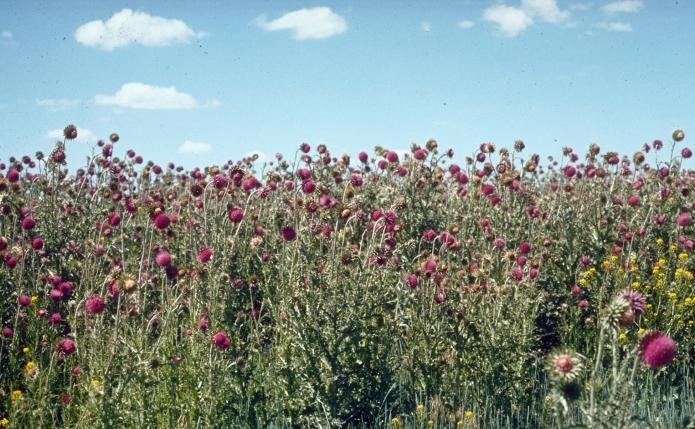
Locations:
{"points": [[429, 289]]}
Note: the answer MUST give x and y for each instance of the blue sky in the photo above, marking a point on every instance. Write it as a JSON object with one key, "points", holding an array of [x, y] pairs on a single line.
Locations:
{"points": [[200, 83]]}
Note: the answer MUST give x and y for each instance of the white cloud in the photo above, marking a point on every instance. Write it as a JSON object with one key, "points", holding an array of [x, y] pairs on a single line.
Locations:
{"points": [[83, 135], [56, 104], [426, 26], [621, 27], [128, 26], [511, 21], [315, 23], [6, 35], [194, 148], [465, 24], [136, 95], [624, 6], [547, 10]]}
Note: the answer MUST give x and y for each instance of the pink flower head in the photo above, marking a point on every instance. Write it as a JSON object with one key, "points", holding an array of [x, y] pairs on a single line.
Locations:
{"points": [[308, 187], [391, 156], [161, 221], [635, 300], [94, 304], [657, 349], [412, 280], [66, 345], [221, 340], [163, 258], [7, 332], [684, 219], [363, 157], [288, 233], [205, 254], [236, 215], [203, 323], [28, 223], [37, 243], [24, 300]]}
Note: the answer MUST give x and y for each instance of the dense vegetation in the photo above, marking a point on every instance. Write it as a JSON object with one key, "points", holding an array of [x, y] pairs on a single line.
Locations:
{"points": [[397, 290]]}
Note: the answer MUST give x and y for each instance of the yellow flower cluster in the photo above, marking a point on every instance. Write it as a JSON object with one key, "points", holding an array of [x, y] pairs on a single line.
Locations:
{"points": [[586, 276]]}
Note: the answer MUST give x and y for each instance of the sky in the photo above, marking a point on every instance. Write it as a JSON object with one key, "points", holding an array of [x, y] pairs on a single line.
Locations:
{"points": [[200, 83]]}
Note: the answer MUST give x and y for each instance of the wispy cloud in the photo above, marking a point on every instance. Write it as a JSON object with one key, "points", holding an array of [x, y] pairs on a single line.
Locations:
{"points": [[194, 148], [136, 95], [426, 26], [315, 23], [620, 27], [624, 6], [134, 27], [465, 24], [83, 135], [513, 20], [57, 104]]}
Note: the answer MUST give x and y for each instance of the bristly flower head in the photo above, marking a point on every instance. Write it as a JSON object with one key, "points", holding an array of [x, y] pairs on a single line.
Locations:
{"points": [[635, 300], [656, 349], [565, 365], [70, 132]]}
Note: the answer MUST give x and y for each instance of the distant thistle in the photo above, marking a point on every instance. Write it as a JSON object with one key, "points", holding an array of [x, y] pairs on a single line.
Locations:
{"points": [[678, 135]]}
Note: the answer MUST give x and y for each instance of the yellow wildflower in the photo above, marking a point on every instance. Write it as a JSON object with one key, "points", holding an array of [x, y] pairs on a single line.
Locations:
{"points": [[682, 257], [469, 414], [26, 350], [30, 369], [34, 299], [16, 395], [660, 242], [4, 423]]}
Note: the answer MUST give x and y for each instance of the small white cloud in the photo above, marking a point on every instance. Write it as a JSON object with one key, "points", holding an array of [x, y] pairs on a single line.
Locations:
{"points": [[426, 26], [621, 27], [547, 10], [465, 24], [194, 148], [83, 135], [128, 26], [56, 104], [6, 35], [511, 21], [136, 95], [624, 6], [315, 23]]}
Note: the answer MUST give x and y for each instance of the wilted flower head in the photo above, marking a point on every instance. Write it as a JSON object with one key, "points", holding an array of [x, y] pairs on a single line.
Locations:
{"points": [[70, 132], [656, 349]]}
